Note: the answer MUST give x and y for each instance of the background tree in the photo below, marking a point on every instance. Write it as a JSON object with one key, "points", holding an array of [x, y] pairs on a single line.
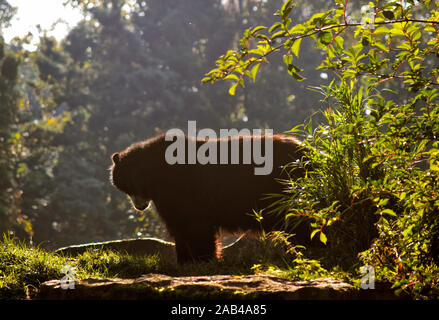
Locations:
{"points": [[9, 138]]}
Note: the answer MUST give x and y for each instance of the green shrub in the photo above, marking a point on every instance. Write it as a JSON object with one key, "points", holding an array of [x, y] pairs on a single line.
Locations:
{"points": [[373, 190]]}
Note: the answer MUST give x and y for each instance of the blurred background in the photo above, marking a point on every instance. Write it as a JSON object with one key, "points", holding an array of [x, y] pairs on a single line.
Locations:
{"points": [[83, 79]]}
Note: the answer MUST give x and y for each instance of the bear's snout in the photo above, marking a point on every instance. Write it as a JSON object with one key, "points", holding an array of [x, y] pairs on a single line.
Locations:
{"points": [[140, 203]]}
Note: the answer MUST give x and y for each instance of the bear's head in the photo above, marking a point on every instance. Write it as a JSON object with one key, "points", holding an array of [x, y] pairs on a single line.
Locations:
{"points": [[125, 177]]}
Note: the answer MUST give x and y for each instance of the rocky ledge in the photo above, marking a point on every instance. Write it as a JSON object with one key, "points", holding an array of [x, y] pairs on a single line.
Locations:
{"points": [[157, 286]]}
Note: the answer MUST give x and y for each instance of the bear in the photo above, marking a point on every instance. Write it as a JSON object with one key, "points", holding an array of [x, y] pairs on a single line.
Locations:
{"points": [[197, 201]]}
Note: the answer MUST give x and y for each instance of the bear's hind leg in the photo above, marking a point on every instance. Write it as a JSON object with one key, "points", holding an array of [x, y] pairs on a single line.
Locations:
{"points": [[196, 246]]}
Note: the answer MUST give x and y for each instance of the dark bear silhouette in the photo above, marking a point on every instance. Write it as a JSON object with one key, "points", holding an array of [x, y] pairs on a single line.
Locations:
{"points": [[195, 201]]}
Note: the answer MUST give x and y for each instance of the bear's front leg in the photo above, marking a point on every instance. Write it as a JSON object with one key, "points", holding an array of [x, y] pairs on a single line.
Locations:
{"points": [[195, 246]]}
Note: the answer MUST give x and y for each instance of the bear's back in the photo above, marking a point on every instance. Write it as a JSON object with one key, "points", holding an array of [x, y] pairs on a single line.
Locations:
{"points": [[222, 194]]}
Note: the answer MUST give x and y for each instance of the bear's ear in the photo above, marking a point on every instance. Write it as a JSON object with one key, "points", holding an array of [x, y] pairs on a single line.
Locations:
{"points": [[115, 158]]}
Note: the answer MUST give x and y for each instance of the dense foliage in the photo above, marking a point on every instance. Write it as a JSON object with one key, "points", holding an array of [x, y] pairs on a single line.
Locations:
{"points": [[373, 189]]}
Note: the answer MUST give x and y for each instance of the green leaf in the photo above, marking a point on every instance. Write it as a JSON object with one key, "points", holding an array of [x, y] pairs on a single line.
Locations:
{"points": [[258, 28], [434, 166], [296, 46], [382, 46], [397, 32], [257, 51], [297, 76], [390, 212], [286, 13], [408, 232], [323, 237], [381, 30], [293, 68], [288, 59], [278, 34], [233, 89], [254, 71], [325, 37], [286, 9], [285, 5], [429, 28], [298, 28], [339, 42], [331, 221], [317, 17], [231, 76], [416, 35], [313, 233], [262, 36], [274, 27]]}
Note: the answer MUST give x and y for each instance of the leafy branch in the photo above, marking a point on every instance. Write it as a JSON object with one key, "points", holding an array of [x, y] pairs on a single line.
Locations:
{"points": [[327, 29]]}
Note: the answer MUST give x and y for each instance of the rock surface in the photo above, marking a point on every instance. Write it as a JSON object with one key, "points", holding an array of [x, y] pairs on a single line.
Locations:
{"points": [[157, 286], [234, 246], [150, 246], [136, 247]]}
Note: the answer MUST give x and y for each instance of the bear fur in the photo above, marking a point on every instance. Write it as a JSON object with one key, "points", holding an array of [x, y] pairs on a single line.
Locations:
{"points": [[197, 201]]}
